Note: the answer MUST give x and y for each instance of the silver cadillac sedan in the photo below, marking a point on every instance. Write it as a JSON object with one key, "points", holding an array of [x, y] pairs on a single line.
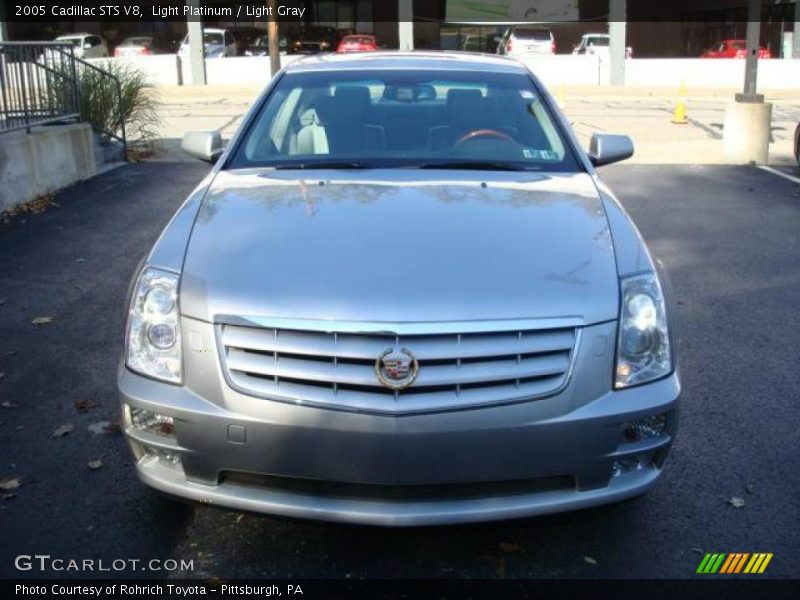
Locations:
{"points": [[402, 296]]}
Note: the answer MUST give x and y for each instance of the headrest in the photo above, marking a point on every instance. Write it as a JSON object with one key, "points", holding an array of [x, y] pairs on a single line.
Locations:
{"points": [[358, 95], [346, 108], [466, 106]]}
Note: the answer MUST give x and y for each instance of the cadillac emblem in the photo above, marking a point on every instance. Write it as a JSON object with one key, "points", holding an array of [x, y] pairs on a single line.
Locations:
{"points": [[396, 370]]}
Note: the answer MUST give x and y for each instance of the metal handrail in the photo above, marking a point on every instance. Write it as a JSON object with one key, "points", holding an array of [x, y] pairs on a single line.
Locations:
{"points": [[40, 84], [121, 117], [26, 84]]}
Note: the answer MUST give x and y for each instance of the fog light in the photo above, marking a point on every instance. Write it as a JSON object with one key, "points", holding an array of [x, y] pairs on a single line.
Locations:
{"points": [[634, 463], [645, 429], [164, 457], [147, 420]]}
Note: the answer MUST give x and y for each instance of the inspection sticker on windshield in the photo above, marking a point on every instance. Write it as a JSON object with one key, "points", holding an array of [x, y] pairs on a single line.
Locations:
{"points": [[539, 154]]}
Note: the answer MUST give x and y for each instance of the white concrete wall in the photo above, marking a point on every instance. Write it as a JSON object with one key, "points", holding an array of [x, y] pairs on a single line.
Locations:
{"points": [[553, 70], [160, 69], [775, 74], [44, 161], [566, 69], [240, 70]]}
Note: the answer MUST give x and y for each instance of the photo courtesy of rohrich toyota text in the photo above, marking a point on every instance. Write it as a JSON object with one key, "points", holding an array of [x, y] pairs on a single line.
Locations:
{"points": [[399, 299]]}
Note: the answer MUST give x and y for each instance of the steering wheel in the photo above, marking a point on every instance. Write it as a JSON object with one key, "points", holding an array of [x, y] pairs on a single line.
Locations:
{"points": [[484, 133]]}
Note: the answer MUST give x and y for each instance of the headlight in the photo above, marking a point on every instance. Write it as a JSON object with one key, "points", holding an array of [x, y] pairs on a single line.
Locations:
{"points": [[154, 335], [643, 351]]}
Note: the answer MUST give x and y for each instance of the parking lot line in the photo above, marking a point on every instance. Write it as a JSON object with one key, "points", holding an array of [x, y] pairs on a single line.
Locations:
{"points": [[779, 173]]}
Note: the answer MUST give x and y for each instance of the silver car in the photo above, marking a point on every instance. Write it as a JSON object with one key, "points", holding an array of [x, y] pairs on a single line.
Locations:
{"points": [[402, 296]]}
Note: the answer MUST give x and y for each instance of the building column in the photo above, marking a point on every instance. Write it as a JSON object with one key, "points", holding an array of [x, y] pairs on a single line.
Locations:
{"points": [[405, 24], [4, 25], [197, 53], [796, 32], [753, 44], [617, 15]]}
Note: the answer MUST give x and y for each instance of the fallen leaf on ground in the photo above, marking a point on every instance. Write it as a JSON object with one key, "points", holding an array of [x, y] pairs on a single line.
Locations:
{"points": [[84, 405], [63, 430], [10, 483], [590, 560], [698, 550], [7, 404], [104, 427], [749, 488], [2, 375], [510, 547], [80, 260], [8, 496], [736, 502], [94, 464], [41, 320]]}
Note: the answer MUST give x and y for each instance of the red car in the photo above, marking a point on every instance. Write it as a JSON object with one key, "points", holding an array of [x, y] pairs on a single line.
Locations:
{"points": [[733, 49], [357, 43]]}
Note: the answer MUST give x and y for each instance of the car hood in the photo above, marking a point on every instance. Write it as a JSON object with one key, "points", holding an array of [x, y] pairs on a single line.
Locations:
{"points": [[400, 246]]}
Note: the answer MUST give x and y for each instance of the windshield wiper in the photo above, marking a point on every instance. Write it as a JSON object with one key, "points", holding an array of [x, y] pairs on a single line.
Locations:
{"points": [[323, 164], [472, 165]]}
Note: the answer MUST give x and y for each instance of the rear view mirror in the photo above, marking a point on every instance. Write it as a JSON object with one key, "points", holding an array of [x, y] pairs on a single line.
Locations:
{"points": [[606, 148], [205, 145]]}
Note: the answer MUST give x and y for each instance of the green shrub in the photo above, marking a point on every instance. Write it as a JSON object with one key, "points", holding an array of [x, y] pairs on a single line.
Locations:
{"points": [[100, 105], [139, 107]]}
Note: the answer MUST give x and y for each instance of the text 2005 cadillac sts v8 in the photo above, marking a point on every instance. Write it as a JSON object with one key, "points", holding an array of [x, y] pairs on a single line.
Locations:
{"points": [[402, 296]]}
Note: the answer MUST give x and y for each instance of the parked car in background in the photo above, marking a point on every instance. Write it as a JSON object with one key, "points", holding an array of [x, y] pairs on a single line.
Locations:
{"points": [[260, 46], [520, 41], [357, 43], [597, 44], [733, 49], [216, 42], [87, 45], [135, 46], [298, 340], [316, 39]]}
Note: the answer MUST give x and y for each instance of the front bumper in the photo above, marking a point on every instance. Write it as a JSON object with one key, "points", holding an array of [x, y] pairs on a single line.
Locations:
{"points": [[473, 465]]}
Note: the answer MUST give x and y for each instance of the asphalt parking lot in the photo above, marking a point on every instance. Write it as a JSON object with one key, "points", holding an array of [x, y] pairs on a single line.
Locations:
{"points": [[730, 237]]}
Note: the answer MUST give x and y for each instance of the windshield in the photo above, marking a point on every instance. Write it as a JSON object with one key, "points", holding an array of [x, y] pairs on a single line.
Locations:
{"points": [[388, 118], [212, 38]]}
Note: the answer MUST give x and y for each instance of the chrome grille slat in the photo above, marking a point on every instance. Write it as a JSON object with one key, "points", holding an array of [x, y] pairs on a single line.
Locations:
{"points": [[432, 375], [369, 346], [384, 402], [337, 369]]}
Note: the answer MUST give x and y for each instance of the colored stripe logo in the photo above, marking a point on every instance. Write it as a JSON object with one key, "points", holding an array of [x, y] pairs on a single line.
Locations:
{"points": [[730, 563]]}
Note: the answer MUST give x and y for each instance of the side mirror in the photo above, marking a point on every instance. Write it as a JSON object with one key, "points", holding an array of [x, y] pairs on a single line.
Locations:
{"points": [[606, 148], [205, 145]]}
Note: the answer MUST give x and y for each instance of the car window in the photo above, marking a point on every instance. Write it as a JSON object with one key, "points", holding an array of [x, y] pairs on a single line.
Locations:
{"points": [[405, 118], [539, 35], [598, 41], [228, 38], [94, 40]]}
